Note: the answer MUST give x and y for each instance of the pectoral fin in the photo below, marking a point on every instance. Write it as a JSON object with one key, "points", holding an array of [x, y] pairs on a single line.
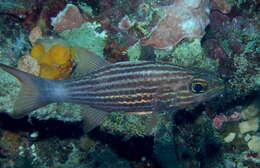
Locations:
{"points": [[88, 61], [92, 118]]}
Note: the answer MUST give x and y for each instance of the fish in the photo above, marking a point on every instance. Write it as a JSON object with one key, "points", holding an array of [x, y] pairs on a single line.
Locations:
{"points": [[138, 87]]}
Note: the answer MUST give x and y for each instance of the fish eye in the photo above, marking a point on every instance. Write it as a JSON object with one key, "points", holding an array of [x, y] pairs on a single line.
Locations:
{"points": [[199, 86]]}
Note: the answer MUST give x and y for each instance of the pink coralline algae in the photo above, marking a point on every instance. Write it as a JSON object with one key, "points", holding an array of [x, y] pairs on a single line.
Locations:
{"points": [[69, 18], [219, 120], [184, 19]]}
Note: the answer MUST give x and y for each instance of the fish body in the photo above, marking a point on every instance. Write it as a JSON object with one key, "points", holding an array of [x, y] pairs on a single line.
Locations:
{"points": [[137, 86], [134, 87]]}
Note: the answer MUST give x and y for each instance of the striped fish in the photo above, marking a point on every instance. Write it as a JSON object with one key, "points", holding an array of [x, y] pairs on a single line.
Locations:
{"points": [[134, 87]]}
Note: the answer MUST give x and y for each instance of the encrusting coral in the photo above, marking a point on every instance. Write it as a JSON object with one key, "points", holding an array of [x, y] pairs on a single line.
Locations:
{"points": [[184, 19], [68, 18]]}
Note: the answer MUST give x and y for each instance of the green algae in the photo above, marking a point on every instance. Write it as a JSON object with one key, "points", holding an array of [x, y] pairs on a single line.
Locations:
{"points": [[88, 35], [128, 125], [134, 52], [189, 54]]}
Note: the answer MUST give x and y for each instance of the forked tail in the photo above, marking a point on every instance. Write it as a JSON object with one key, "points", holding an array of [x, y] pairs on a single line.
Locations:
{"points": [[33, 92]]}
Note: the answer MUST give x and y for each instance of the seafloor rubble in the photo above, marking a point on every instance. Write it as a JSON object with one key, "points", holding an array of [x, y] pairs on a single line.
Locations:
{"points": [[50, 38]]}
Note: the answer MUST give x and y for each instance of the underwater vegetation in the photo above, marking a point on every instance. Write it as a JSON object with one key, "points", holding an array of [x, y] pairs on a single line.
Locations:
{"points": [[58, 39]]}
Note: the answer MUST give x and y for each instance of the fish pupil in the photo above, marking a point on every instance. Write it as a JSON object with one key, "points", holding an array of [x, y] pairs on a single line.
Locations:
{"points": [[198, 88]]}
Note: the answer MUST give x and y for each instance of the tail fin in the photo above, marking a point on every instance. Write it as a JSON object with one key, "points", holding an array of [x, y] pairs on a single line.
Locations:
{"points": [[32, 94]]}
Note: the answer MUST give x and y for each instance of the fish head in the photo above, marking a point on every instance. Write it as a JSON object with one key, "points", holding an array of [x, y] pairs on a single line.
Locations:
{"points": [[200, 87]]}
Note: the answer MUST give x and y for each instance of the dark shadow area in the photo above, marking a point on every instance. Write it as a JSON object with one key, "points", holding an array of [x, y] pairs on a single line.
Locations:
{"points": [[46, 128], [228, 102], [188, 116], [132, 149]]}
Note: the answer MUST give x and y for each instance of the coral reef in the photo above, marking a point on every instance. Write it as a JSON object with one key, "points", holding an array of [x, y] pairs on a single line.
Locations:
{"points": [[238, 42], [14, 42], [241, 136], [184, 19], [189, 141], [119, 30], [126, 23], [69, 18], [33, 13]]}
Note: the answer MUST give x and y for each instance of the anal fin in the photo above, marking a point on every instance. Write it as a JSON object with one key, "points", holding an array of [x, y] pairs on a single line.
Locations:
{"points": [[92, 118]]}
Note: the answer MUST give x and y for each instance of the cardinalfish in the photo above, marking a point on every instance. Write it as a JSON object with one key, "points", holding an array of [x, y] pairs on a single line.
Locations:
{"points": [[140, 87]]}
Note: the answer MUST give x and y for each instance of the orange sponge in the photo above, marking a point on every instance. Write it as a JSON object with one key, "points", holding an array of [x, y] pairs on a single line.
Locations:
{"points": [[56, 62], [38, 51]]}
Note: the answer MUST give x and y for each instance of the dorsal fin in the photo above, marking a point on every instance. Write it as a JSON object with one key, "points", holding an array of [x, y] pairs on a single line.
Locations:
{"points": [[88, 61]]}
